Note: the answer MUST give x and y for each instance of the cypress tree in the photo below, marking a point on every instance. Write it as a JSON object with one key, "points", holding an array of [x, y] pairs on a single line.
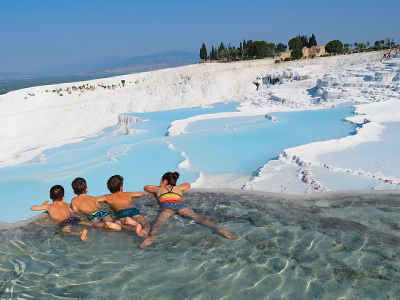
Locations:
{"points": [[312, 41], [203, 52]]}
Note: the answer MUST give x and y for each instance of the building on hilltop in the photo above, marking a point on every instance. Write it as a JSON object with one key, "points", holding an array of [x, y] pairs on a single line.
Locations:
{"points": [[314, 51], [307, 52]]}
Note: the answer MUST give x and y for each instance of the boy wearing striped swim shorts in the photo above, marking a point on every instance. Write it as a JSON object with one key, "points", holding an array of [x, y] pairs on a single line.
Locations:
{"points": [[88, 205]]}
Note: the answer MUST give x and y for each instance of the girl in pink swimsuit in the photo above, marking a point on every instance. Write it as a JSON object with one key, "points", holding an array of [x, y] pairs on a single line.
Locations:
{"points": [[169, 196]]}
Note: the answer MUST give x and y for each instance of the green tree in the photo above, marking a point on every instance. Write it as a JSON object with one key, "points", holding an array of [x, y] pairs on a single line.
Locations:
{"points": [[312, 41], [334, 46], [244, 44], [213, 54], [234, 53], [304, 40], [221, 47], [281, 47], [346, 47], [295, 43], [203, 52], [389, 42], [361, 46], [297, 54], [259, 49], [222, 54]]}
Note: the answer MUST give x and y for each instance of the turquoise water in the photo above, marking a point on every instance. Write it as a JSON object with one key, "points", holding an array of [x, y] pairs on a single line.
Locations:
{"points": [[220, 146], [243, 145], [326, 246]]}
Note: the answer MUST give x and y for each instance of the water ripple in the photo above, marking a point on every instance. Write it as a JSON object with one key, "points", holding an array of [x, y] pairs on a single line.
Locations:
{"points": [[286, 250]]}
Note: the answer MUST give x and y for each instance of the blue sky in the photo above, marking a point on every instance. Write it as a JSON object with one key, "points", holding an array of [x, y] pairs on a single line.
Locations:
{"points": [[41, 33]]}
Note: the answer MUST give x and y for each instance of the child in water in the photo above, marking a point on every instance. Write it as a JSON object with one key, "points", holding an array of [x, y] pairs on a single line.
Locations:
{"points": [[121, 202], [61, 212], [88, 205], [169, 196]]}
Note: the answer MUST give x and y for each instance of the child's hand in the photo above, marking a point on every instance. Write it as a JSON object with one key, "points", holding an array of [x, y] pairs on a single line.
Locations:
{"points": [[45, 202]]}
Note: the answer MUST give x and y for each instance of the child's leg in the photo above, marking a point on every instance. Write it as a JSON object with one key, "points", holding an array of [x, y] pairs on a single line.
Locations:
{"points": [[143, 221], [97, 223], [161, 218], [83, 234], [121, 222], [187, 212], [67, 231], [108, 223], [137, 225]]}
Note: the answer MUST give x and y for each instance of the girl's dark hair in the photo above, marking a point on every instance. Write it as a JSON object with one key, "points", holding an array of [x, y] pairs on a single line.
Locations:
{"points": [[114, 183], [171, 177], [57, 193]]}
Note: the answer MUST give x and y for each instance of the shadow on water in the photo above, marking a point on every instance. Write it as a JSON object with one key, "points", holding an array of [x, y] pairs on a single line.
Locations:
{"points": [[324, 246]]}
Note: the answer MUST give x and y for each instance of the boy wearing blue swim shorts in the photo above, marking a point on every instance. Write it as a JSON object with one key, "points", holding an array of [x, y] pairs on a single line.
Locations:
{"points": [[121, 202]]}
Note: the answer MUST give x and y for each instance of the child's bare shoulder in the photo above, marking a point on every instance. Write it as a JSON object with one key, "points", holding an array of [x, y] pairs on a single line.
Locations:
{"points": [[87, 197], [59, 205]]}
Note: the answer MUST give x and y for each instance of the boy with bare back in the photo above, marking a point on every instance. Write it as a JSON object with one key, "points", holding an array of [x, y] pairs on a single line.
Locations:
{"points": [[88, 205], [61, 212], [121, 202]]}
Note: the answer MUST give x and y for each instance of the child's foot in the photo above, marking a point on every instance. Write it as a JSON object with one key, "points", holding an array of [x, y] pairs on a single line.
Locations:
{"points": [[118, 222], [227, 234], [84, 233], [112, 225], [147, 242], [139, 230], [142, 233], [146, 231], [130, 221]]}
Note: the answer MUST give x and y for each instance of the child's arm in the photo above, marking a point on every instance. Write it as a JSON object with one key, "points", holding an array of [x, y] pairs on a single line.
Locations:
{"points": [[45, 206], [137, 194], [101, 199], [73, 206], [184, 187], [151, 189]]}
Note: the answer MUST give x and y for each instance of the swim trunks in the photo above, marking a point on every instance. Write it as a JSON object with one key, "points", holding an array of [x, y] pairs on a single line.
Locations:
{"points": [[98, 215], [70, 221], [128, 212], [171, 200]]}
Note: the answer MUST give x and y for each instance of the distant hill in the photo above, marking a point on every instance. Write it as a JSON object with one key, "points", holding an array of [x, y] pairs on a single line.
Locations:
{"points": [[14, 75], [93, 69], [146, 63]]}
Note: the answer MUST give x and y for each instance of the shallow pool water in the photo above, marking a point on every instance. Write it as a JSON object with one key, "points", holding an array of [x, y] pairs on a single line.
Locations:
{"points": [[218, 146], [325, 246]]}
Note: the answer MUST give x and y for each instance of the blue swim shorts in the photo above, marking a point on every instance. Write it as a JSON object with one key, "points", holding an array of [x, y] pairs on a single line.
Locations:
{"points": [[128, 212]]}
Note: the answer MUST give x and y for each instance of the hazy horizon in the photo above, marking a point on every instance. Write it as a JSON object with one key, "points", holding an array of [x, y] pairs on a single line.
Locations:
{"points": [[58, 32]]}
